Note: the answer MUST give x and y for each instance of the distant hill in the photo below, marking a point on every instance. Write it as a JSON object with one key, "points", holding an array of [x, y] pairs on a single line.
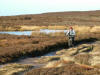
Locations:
{"points": [[53, 18]]}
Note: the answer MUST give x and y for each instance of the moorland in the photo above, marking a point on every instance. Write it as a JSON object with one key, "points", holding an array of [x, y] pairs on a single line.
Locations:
{"points": [[82, 59], [53, 20]]}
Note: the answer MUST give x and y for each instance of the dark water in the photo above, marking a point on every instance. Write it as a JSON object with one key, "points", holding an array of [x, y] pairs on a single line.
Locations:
{"points": [[30, 60]]}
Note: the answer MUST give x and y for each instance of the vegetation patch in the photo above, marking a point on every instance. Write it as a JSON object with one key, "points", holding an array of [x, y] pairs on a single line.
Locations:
{"points": [[14, 69], [69, 69], [13, 47]]}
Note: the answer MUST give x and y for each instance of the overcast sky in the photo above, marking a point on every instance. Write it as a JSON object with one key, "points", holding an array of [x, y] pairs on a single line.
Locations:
{"points": [[17, 7]]}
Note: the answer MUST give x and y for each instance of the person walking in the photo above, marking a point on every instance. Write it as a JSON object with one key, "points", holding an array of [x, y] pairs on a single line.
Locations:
{"points": [[71, 36]]}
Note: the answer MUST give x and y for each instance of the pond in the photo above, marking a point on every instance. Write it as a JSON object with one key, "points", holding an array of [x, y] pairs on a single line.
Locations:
{"points": [[47, 31]]}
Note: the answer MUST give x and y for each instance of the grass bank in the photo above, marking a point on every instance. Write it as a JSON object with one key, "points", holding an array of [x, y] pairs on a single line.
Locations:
{"points": [[13, 47]]}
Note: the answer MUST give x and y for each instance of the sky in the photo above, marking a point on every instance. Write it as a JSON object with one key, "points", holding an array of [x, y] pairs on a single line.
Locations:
{"points": [[19, 7]]}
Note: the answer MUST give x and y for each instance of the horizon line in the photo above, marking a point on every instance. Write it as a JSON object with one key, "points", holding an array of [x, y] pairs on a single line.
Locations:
{"points": [[49, 12]]}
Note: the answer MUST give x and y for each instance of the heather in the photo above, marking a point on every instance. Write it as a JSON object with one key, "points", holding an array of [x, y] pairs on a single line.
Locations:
{"points": [[14, 46]]}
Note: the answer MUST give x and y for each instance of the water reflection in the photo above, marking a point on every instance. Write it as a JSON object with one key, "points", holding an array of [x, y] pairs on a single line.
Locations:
{"points": [[47, 31], [17, 32]]}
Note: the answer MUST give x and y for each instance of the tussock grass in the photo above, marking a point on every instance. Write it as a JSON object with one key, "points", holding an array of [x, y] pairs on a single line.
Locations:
{"points": [[83, 58], [69, 69], [14, 69]]}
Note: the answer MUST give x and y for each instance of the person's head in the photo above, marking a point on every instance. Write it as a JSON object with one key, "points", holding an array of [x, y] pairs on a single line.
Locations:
{"points": [[71, 28]]}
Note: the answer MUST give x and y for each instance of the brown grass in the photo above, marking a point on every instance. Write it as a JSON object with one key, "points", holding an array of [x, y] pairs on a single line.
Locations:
{"points": [[69, 69], [83, 59], [57, 20], [14, 69], [13, 46]]}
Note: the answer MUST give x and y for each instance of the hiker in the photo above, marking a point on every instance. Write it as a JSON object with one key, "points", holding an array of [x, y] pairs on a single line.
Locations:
{"points": [[71, 35]]}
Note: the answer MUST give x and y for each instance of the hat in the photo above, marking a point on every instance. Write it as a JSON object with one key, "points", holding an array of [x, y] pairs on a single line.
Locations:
{"points": [[71, 28]]}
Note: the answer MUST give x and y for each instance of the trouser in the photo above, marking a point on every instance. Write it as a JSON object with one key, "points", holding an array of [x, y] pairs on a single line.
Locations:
{"points": [[72, 40]]}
